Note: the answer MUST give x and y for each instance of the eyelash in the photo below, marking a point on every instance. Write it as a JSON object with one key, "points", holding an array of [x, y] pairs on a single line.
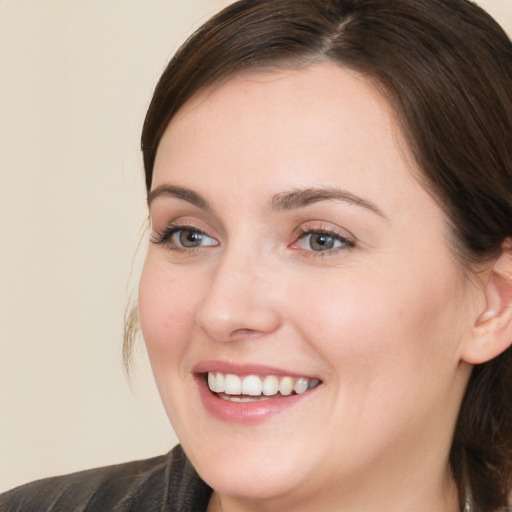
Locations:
{"points": [[164, 237], [302, 233]]}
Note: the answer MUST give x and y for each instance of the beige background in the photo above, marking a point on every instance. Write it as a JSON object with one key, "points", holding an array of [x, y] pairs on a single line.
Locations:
{"points": [[75, 79]]}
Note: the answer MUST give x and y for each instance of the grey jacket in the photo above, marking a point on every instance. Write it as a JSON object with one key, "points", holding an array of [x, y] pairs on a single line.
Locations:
{"points": [[162, 484]]}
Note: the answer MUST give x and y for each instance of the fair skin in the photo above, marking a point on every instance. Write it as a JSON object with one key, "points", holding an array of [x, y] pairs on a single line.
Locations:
{"points": [[352, 283]]}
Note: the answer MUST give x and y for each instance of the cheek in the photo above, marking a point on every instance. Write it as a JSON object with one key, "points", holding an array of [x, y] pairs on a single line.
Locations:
{"points": [[167, 319], [390, 357], [384, 329], [166, 313]]}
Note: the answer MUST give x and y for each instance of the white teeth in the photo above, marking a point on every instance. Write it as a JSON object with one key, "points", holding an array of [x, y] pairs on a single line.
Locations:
{"points": [[216, 382], [232, 385], [270, 385], [212, 382], [253, 385], [234, 398], [219, 380], [286, 385], [301, 386]]}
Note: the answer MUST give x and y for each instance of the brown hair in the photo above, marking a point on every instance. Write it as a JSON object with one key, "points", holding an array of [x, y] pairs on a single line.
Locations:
{"points": [[446, 68]]}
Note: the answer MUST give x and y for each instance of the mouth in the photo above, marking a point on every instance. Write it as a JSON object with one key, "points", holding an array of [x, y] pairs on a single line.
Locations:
{"points": [[255, 388], [249, 394]]}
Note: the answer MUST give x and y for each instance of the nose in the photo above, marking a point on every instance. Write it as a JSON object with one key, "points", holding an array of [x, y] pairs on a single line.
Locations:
{"points": [[240, 301]]}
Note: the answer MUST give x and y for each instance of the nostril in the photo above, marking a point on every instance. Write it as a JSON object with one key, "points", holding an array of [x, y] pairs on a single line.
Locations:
{"points": [[241, 334]]}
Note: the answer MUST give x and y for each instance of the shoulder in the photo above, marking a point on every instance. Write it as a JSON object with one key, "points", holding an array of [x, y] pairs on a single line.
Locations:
{"points": [[146, 486], [109, 486]]}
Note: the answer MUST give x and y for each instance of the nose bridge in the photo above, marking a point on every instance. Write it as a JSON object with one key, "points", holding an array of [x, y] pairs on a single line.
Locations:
{"points": [[238, 300]]}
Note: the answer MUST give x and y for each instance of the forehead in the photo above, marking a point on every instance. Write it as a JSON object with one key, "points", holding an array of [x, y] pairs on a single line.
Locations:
{"points": [[304, 93], [292, 121]]}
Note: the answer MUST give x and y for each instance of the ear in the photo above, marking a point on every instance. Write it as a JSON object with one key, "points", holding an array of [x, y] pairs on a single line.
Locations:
{"points": [[492, 332]]}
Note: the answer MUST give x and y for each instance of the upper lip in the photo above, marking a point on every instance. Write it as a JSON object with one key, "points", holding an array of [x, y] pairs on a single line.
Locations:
{"points": [[227, 367]]}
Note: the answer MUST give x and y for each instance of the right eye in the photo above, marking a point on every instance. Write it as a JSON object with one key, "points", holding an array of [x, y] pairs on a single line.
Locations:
{"points": [[190, 238], [183, 237]]}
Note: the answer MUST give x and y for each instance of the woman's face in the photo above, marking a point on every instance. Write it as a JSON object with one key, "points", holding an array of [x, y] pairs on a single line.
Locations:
{"points": [[291, 244]]}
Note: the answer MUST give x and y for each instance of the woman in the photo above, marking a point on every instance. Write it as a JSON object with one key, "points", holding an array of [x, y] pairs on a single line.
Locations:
{"points": [[326, 299]]}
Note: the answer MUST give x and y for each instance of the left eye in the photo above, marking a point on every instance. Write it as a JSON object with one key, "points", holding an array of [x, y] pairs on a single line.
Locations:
{"points": [[319, 241], [190, 238]]}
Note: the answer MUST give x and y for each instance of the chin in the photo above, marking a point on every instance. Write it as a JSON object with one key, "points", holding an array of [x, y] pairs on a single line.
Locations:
{"points": [[246, 468], [262, 481]]}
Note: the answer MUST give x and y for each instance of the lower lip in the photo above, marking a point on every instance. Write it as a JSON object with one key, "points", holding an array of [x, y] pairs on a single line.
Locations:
{"points": [[245, 413]]}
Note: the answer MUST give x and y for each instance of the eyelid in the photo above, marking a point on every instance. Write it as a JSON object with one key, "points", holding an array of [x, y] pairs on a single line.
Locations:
{"points": [[172, 212]]}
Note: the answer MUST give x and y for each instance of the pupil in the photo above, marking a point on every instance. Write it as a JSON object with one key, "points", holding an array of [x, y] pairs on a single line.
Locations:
{"points": [[322, 242]]}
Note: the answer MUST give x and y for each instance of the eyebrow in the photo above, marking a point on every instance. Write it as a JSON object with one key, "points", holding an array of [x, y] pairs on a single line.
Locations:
{"points": [[283, 201], [179, 193], [301, 198]]}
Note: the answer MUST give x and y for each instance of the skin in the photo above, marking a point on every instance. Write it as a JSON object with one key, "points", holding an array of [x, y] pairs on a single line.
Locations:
{"points": [[382, 321]]}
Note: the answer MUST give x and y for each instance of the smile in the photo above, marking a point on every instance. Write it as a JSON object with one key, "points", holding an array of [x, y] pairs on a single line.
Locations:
{"points": [[248, 394], [246, 388]]}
